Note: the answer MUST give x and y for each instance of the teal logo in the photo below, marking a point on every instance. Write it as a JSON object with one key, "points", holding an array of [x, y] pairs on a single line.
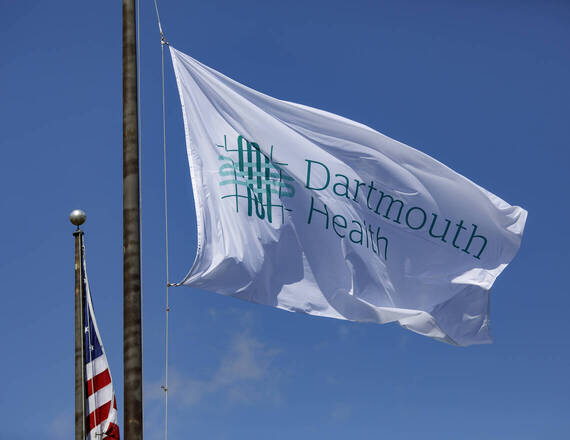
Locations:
{"points": [[253, 176]]}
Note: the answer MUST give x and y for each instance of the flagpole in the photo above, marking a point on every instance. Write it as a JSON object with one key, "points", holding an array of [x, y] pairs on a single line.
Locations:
{"points": [[77, 217], [132, 334]]}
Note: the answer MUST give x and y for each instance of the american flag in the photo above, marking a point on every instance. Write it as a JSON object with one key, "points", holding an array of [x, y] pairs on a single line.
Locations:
{"points": [[101, 417]]}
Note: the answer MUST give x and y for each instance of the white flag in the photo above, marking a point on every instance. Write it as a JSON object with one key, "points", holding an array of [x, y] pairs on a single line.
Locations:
{"points": [[304, 210]]}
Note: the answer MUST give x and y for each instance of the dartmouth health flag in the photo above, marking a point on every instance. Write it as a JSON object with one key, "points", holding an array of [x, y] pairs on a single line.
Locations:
{"points": [[307, 211]]}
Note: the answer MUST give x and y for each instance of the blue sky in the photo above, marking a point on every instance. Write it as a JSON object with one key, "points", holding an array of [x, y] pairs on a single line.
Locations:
{"points": [[481, 86]]}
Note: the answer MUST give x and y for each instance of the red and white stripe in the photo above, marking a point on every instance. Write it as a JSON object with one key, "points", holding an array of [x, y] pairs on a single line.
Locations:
{"points": [[100, 404]]}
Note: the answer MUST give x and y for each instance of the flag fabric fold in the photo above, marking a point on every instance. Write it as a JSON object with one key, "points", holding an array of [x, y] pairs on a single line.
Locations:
{"points": [[307, 211], [101, 418]]}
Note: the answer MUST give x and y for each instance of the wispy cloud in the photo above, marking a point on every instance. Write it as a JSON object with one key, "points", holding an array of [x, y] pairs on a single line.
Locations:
{"points": [[245, 373], [246, 363]]}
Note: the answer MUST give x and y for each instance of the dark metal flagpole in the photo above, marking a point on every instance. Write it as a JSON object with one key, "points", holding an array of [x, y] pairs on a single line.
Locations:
{"points": [[77, 217], [132, 334]]}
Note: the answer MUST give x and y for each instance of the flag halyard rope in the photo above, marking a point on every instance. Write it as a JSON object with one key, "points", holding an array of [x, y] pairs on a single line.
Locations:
{"points": [[167, 305], [164, 42]]}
